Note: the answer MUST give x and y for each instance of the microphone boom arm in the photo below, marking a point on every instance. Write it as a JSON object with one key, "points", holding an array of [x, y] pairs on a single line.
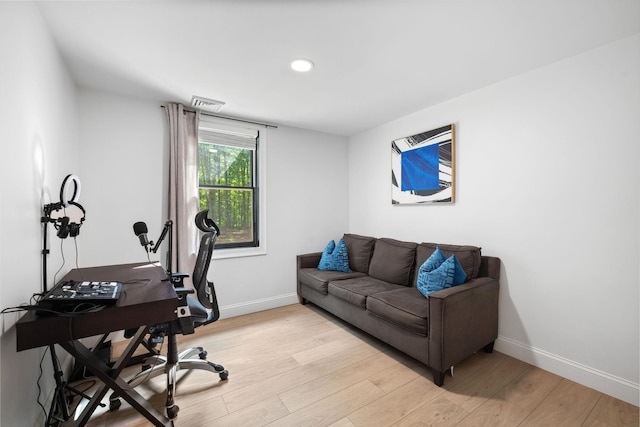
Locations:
{"points": [[168, 229]]}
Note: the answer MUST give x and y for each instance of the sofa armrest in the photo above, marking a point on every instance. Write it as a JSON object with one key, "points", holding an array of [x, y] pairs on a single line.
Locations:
{"points": [[462, 320], [308, 260], [490, 267]]}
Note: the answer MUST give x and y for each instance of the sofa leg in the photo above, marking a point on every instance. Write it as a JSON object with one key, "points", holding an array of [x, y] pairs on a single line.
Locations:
{"points": [[302, 301], [438, 378], [489, 347]]}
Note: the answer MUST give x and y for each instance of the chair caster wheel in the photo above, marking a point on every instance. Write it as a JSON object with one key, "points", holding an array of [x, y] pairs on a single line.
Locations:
{"points": [[114, 404], [172, 412], [224, 375], [203, 355]]}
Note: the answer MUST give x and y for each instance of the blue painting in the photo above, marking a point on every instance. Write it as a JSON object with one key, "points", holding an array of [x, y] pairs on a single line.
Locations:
{"points": [[422, 167]]}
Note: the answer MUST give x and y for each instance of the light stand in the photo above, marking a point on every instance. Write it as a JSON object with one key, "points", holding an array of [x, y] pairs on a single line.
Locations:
{"points": [[59, 409]]}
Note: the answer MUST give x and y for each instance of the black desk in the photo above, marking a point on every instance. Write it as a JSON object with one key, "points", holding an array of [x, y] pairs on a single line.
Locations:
{"points": [[145, 300]]}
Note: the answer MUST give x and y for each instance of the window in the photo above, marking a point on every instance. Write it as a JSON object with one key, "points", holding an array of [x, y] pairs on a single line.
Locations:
{"points": [[228, 165]]}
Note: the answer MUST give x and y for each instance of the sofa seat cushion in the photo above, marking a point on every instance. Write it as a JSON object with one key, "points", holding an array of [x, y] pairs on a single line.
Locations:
{"points": [[355, 291], [469, 257], [404, 307], [393, 261], [318, 279]]}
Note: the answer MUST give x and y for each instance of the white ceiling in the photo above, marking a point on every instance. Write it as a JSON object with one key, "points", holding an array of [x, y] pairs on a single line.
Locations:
{"points": [[376, 60]]}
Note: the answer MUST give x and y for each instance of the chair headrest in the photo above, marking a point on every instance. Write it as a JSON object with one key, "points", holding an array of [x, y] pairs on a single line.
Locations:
{"points": [[206, 224]]}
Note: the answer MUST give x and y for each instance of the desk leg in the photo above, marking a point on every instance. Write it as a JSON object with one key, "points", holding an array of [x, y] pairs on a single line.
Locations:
{"points": [[111, 380]]}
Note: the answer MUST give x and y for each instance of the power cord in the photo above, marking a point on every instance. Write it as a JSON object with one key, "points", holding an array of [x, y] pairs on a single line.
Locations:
{"points": [[93, 308], [44, 411]]}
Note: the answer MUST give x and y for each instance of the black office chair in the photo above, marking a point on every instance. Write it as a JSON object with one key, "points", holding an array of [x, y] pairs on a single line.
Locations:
{"points": [[192, 313]]}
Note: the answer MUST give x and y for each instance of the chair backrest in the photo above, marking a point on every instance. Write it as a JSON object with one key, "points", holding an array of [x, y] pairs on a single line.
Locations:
{"points": [[204, 288]]}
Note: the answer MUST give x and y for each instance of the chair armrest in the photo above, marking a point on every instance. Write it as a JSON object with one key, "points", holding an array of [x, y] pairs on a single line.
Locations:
{"points": [[462, 320], [183, 313], [182, 295], [182, 291], [178, 278]]}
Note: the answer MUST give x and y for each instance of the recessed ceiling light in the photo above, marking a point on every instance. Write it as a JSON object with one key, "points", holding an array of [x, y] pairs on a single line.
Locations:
{"points": [[301, 65]]}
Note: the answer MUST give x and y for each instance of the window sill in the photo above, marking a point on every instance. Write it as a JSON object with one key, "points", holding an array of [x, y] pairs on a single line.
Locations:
{"points": [[238, 252]]}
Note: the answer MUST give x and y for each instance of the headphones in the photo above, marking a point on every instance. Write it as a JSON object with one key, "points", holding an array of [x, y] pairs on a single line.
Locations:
{"points": [[65, 226]]}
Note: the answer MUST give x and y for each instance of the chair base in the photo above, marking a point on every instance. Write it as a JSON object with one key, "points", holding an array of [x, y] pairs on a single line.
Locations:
{"points": [[158, 365]]}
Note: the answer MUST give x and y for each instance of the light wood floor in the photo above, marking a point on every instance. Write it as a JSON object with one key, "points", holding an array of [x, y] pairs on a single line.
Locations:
{"points": [[298, 366]]}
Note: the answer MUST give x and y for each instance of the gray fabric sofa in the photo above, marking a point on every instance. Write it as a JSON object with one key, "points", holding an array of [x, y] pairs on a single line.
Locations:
{"points": [[380, 297]]}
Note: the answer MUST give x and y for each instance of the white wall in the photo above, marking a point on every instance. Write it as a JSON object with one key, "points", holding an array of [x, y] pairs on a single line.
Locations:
{"points": [[124, 149], [306, 200], [39, 144], [547, 180], [123, 158]]}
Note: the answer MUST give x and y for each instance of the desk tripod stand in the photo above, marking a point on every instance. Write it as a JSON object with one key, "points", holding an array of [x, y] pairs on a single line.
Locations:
{"points": [[59, 409]]}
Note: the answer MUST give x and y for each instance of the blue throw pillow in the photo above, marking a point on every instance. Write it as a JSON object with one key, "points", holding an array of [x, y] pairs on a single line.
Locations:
{"points": [[459, 276], [434, 261], [335, 257], [450, 273]]}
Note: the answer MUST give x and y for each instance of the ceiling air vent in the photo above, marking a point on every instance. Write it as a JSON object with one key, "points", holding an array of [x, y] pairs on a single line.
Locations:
{"points": [[206, 104]]}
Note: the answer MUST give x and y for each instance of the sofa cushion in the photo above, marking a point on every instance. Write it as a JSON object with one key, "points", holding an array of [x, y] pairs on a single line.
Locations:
{"points": [[355, 291], [404, 307], [318, 279], [335, 257], [359, 249], [468, 256], [393, 261], [448, 274]]}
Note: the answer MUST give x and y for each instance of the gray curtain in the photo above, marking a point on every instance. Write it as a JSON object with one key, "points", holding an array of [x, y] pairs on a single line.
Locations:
{"points": [[183, 184]]}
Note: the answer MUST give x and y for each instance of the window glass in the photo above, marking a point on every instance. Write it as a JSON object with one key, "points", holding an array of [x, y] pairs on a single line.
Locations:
{"points": [[227, 184]]}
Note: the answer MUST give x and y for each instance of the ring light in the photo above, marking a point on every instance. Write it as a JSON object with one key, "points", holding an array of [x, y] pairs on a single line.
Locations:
{"points": [[63, 190]]}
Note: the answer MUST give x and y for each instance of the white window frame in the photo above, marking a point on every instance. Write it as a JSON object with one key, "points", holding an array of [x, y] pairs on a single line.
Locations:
{"points": [[214, 122]]}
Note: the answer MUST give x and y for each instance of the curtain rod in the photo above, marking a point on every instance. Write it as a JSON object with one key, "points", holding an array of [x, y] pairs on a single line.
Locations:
{"points": [[233, 118]]}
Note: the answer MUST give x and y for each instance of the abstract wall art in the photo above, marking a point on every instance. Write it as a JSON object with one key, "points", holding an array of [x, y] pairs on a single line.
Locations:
{"points": [[422, 167]]}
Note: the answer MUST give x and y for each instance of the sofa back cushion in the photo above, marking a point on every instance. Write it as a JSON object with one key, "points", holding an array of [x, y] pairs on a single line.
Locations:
{"points": [[393, 261], [359, 249], [469, 257]]}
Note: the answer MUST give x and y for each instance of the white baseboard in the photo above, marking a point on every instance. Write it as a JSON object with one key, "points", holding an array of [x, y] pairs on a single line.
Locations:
{"points": [[258, 305], [593, 378], [234, 310]]}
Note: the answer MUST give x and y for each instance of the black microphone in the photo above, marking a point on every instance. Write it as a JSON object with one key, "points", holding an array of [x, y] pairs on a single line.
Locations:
{"points": [[140, 228]]}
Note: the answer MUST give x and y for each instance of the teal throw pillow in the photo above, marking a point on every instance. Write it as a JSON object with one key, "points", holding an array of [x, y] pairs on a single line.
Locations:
{"points": [[335, 257], [434, 261], [449, 273], [459, 276]]}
